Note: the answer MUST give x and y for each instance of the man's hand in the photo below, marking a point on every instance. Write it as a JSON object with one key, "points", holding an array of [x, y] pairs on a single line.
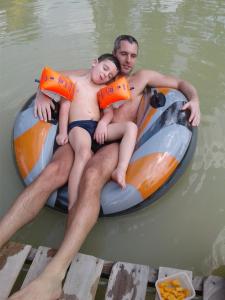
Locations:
{"points": [[62, 139], [42, 107], [100, 134], [195, 116]]}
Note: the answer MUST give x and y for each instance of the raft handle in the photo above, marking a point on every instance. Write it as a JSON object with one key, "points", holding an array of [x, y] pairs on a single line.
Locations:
{"points": [[158, 100]]}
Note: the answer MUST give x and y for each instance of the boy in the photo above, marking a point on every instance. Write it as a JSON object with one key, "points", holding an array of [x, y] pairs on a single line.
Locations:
{"points": [[86, 133]]}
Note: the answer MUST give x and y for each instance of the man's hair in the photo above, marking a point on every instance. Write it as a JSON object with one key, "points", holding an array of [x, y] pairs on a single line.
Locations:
{"points": [[112, 58], [124, 37]]}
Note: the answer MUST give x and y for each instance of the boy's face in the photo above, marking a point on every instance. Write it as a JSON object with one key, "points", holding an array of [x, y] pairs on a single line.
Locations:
{"points": [[127, 54], [103, 71]]}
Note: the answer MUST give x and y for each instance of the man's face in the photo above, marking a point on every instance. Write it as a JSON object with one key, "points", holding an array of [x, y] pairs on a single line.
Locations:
{"points": [[127, 54], [103, 71]]}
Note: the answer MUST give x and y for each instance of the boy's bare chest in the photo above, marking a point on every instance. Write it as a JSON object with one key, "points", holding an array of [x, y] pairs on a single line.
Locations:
{"points": [[85, 93]]}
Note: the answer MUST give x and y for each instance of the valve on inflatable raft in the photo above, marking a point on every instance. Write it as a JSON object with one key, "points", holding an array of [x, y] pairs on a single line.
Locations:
{"points": [[157, 99]]}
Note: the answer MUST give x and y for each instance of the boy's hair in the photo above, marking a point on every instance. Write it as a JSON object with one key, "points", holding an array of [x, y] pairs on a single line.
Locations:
{"points": [[112, 58], [124, 37]]}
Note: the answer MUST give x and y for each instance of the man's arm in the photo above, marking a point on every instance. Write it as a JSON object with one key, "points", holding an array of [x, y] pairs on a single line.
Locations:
{"points": [[156, 79], [193, 105], [42, 106], [43, 103]]}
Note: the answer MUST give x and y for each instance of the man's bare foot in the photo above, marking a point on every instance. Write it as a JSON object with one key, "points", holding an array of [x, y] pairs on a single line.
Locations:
{"points": [[42, 288], [119, 176]]}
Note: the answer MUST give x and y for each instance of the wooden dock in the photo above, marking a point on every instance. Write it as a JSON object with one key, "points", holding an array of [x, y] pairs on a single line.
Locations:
{"points": [[20, 264]]}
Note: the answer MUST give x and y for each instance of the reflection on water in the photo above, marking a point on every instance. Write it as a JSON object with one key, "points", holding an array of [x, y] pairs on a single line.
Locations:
{"points": [[15, 16], [216, 258], [213, 154], [23, 21], [183, 38], [211, 151]]}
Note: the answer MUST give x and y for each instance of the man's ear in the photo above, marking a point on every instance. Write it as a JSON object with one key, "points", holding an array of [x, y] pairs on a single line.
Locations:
{"points": [[94, 62]]}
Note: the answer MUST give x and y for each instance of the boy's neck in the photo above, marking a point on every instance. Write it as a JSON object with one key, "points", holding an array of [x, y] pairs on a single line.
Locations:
{"points": [[88, 77]]}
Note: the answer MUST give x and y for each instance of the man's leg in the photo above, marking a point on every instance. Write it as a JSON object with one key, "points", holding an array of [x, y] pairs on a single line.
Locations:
{"points": [[33, 198], [82, 217]]}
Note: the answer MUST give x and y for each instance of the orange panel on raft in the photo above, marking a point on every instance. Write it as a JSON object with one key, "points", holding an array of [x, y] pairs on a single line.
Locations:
{"points": [[152, 110], [28, 147], [146, 120], [149, 173], [163, 90]]}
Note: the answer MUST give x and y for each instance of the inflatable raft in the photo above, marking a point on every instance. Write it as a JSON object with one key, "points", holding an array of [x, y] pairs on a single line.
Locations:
{"points": [[165, 145]]}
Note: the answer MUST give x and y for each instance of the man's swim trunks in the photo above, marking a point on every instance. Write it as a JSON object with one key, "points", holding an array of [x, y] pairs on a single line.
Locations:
{"points": [[89, 126]]}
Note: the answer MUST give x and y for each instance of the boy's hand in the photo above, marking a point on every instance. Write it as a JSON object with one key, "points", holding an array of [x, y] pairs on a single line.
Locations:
{"points": [[100, 134], [62, 139], [42, 107]]}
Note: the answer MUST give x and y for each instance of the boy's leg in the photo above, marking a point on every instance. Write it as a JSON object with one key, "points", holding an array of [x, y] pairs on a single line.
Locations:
{"points": [[82, 218], [80, 141], [128, 132], [33, 198]]}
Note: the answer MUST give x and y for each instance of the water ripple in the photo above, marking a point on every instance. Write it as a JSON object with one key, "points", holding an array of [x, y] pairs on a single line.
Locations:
{"points": [[23, 21]]}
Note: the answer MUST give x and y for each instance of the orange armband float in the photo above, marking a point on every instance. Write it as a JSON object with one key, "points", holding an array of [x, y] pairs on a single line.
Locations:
{"points": [[116, 91], [56, 85]]}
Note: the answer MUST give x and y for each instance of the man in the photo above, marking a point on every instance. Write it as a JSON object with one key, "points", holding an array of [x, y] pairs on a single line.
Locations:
{"points": [[84, 214]]}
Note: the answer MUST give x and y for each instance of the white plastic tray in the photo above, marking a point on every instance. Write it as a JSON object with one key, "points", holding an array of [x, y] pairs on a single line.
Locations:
{"points": [[184, 281]]}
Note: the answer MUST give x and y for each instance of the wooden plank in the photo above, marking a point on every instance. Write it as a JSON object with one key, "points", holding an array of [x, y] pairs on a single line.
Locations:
{"points": [[153, 273], [12, 258], [107, 268], [41, 259], [214, 288], [83, 277], [164, 272], [127, 281]]}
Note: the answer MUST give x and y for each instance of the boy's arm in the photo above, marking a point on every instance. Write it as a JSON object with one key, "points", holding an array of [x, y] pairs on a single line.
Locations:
{"points": [[100, 134], [62, 137], [43, 104], [107, 116]]}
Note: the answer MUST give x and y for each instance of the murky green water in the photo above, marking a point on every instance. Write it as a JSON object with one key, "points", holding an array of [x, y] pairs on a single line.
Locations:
{"points": [[186, 227]]}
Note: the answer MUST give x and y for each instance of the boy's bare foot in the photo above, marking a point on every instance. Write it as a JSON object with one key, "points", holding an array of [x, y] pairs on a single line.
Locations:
{"points": [[119, 176], [42, 288]]}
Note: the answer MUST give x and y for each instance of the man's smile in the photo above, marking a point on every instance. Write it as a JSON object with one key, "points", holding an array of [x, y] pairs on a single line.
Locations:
{"points": [[127, 67]]}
